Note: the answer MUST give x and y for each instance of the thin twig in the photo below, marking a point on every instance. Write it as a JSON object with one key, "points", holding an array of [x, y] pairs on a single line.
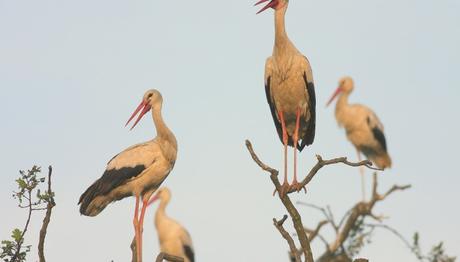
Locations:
{"points": [[326, 212], [321, 163], [313, 233], [285, 235], [392, 230], [26, 226], [46, 219], [361, 209]]}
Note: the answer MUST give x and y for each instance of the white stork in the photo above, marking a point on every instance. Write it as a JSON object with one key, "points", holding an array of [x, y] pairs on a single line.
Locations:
{"points": [[137, 171], [363, 127], [174, 238], [290, 92]]}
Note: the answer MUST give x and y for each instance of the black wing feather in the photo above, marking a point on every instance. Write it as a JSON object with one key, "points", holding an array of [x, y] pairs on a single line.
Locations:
{"points": [[189, 253], [273, 109], [380, 137], [310, 133], [111, 179], [378, 134]]}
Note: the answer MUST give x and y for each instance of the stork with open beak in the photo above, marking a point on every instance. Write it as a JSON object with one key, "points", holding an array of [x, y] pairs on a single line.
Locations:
{"points": [[290, 92], [174, 238], [363, 128], [137, 171]]}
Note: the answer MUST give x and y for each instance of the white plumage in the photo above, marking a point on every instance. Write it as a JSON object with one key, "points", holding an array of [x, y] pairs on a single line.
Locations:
{"points": [[137, 171], [173, 237], [290, 92], [362, 126]]}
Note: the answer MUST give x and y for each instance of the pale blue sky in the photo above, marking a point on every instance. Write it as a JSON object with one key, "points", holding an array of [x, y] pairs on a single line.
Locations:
{"points": [[71, 72]]}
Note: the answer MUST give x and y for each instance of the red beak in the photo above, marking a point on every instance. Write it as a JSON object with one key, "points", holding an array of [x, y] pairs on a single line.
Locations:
{"points": [[271, 4], [145, 108], [336, 93], [153, 199]]}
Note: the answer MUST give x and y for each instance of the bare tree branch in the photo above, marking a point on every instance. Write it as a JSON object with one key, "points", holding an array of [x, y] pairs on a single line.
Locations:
{"points": [[295, 216], [313, 233], [285, 234], [133, 250], [392, 230], [326, 212], [46, 220], [361, 209], [164, 256], [321, 163]]}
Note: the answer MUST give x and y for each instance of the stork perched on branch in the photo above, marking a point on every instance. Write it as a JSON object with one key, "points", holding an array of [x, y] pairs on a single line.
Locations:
{"points": [[363, 127], [290, 92], [137, 171], [174, 238]]}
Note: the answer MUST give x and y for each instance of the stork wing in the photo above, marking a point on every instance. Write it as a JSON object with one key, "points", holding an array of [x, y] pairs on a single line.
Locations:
{"points": [[271, 103], [309, 136], [377, 128], [120, 169], [187, 246]]}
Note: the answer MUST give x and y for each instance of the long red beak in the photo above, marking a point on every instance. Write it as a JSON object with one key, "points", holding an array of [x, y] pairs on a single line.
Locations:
{"points": [[336, 93], [271, 4], [145, 108]]}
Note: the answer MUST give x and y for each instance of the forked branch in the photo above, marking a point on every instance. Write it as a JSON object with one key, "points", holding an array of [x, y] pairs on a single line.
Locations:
{"points": [[295, 216]]}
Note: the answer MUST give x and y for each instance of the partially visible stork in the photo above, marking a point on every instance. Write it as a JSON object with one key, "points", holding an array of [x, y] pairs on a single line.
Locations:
{"points": [[362, 126], [174, 238], [290, 92], [137, 171]]}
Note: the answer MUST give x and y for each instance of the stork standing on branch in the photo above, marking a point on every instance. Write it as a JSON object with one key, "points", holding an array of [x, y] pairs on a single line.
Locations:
{"points": [[290, 92], [174, 238], [363, 127], [137, 171]]}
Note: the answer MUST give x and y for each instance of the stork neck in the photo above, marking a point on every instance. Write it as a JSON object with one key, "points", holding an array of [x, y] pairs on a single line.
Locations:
{"points": [[282, 42], [160, 215], [162, 130], [342, 102]]}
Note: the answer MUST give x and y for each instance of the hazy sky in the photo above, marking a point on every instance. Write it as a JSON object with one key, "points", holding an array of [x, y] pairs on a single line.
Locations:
{"points": [[72, 72]]}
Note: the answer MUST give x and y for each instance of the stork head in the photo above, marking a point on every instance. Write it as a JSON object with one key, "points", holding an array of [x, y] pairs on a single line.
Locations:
{"points": [[345, 85], [162, 194], [275, 4], [151, 98]]}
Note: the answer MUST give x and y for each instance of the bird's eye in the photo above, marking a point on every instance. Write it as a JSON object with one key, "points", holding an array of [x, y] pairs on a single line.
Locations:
{"points": [[149, 95]]}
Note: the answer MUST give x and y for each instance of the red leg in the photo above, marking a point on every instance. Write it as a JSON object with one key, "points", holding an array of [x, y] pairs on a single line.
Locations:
{"points": [[145, 204], [136, 229], [285, 185], [295, 183]]}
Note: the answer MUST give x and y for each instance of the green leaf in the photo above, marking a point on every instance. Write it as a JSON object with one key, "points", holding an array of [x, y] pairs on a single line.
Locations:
{"points": [[21, 183], [17, 235]]}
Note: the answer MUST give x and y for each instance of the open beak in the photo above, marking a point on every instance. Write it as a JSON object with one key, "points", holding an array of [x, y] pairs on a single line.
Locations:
{"points": [[144, 107], [271, 4], [336, 93]]}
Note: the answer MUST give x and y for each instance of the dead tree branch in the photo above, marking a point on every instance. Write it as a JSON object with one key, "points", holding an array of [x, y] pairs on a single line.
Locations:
{"points": [[285, 234], [164, 256], [133, 250], [295, 216], [313, 233], [357, 213], [46, 220], [321, 163]]}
